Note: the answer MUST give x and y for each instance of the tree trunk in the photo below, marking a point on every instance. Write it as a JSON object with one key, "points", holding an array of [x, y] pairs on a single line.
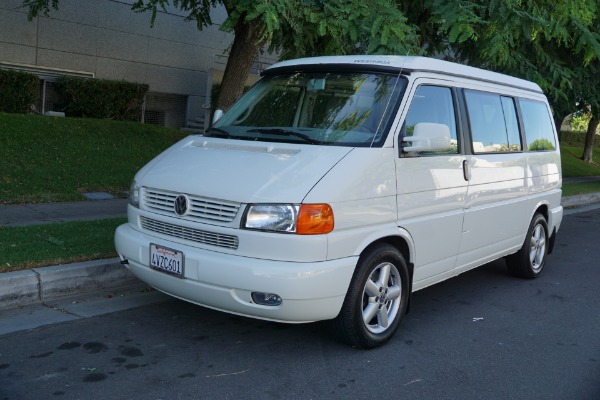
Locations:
{"points": [[588, 149], [558, 124], [247, 42]]}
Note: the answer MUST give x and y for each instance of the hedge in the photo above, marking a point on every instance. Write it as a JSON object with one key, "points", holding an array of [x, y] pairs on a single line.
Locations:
{"points": [[18, 91], [576, 139], [102, 98]]}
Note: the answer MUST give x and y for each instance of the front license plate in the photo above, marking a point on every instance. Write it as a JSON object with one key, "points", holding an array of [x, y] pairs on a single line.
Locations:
{"points": [[166, 260]]}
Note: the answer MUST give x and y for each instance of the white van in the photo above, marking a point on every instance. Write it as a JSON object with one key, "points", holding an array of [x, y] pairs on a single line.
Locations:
{"points": [[337, 186]]}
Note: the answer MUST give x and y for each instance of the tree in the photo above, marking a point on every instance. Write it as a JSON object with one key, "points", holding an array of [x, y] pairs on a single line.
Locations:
{"points": [[588, 149], [292, 27], [586, 85], [334, 27], [555, 43]]}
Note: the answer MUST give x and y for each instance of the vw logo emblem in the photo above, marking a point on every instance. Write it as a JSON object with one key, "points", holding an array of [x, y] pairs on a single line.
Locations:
{"points": [[181, 205]]}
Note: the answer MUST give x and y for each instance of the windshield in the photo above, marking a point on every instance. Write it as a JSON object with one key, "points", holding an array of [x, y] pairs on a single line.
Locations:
{"points": [[327, 108]]}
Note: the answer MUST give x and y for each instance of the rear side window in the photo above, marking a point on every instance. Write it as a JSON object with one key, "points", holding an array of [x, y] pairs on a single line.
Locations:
{"points": [[494, 124], [537, 125], [433, 104]]}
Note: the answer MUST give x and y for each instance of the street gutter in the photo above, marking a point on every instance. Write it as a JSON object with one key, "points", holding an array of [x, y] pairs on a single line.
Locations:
{"points": [[37, 285]]}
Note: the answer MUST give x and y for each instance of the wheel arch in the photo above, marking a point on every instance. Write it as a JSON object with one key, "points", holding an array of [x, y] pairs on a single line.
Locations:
{"points": [[399, 238], [544, 209], [402, 241]]}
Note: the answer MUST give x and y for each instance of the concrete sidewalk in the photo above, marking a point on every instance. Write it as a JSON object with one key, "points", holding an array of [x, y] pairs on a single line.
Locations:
{"points": [[47, 213], [40, 285], [580, 179]]}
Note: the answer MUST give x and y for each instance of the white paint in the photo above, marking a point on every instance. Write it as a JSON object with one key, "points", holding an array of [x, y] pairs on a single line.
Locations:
{"points": [[449, 224]]}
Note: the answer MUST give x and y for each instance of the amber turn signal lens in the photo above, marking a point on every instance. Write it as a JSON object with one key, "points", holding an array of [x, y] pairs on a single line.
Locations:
{"points": [[314, 219]]}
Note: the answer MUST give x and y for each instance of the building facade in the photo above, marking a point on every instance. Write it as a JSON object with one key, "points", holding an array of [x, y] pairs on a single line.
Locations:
{"points": [[105, 39]]}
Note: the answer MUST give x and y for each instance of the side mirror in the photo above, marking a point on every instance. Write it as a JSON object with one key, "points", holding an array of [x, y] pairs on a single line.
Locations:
{"points": [[217, 115], [428, 136]]}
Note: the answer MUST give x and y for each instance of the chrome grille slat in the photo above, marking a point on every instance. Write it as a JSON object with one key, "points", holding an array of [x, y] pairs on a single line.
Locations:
{"points": [[213, 218], [159, 206], [192, 234], [201, 208], [164, 196]]}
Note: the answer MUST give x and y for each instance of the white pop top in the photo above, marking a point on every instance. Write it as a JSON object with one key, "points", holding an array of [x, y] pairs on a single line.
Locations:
{"points": [[411, 63]]}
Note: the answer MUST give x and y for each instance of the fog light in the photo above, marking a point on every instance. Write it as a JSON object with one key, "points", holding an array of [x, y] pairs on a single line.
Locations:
{"points": [[266, 299]]}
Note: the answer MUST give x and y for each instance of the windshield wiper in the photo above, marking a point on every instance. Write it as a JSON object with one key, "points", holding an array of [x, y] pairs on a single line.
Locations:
{"points": [[285, 132], [217, 132]]}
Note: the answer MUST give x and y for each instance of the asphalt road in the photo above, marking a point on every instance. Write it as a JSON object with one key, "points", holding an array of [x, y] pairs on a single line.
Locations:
{"points": [[482, 335]]}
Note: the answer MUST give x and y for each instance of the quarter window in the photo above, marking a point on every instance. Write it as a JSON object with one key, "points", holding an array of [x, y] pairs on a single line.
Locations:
{"points": [[537, 125], [493, 121]]}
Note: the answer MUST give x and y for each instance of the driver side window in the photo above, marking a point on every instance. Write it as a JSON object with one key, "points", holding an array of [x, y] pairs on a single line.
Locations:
{"points": [[433, 104]]}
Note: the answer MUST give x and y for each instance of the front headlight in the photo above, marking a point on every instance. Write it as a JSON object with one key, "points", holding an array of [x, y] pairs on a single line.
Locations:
{"points": [[272, 217], [134, 194], [305, 219]]}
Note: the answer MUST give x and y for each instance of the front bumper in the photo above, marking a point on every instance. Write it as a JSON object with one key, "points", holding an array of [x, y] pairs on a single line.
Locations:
{"points": [[311, 291]]}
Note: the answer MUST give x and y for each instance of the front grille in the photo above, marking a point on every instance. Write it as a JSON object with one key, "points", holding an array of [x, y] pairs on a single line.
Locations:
{"points": [[195, 235], [200, 208]]}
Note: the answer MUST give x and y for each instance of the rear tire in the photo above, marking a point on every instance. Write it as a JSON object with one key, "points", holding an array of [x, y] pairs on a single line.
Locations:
{"points": [[376, 299], [529, 261]]}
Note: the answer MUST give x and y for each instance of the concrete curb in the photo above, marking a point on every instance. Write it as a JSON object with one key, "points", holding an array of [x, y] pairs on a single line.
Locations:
{"points": [[580, 200], [37, 285]]}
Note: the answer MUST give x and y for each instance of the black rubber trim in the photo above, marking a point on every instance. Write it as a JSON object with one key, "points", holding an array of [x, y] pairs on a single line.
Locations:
{"points": [[551, 241], [411, 271]]}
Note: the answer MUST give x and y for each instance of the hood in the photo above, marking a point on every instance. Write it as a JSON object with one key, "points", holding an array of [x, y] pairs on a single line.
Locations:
{"points": [[244, 172]]}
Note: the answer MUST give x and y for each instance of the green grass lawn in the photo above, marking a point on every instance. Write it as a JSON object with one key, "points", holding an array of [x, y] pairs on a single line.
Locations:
{"points": [[573, 165], [52, 244], [570, 189], [47, 159]]}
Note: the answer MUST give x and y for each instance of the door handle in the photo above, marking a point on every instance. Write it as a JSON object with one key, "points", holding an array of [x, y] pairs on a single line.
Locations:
{"points": [[466, 170]]}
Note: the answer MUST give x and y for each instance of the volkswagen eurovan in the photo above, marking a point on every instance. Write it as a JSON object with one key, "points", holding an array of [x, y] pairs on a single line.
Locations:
{"points": [[337, 186]]}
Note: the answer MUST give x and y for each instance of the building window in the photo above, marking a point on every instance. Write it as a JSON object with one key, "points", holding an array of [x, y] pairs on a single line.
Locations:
{"points": [[168, 110]]}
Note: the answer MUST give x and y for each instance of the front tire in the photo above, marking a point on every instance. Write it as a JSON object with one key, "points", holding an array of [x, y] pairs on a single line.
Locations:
{"points": [[530, 260], [376, 299]]}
